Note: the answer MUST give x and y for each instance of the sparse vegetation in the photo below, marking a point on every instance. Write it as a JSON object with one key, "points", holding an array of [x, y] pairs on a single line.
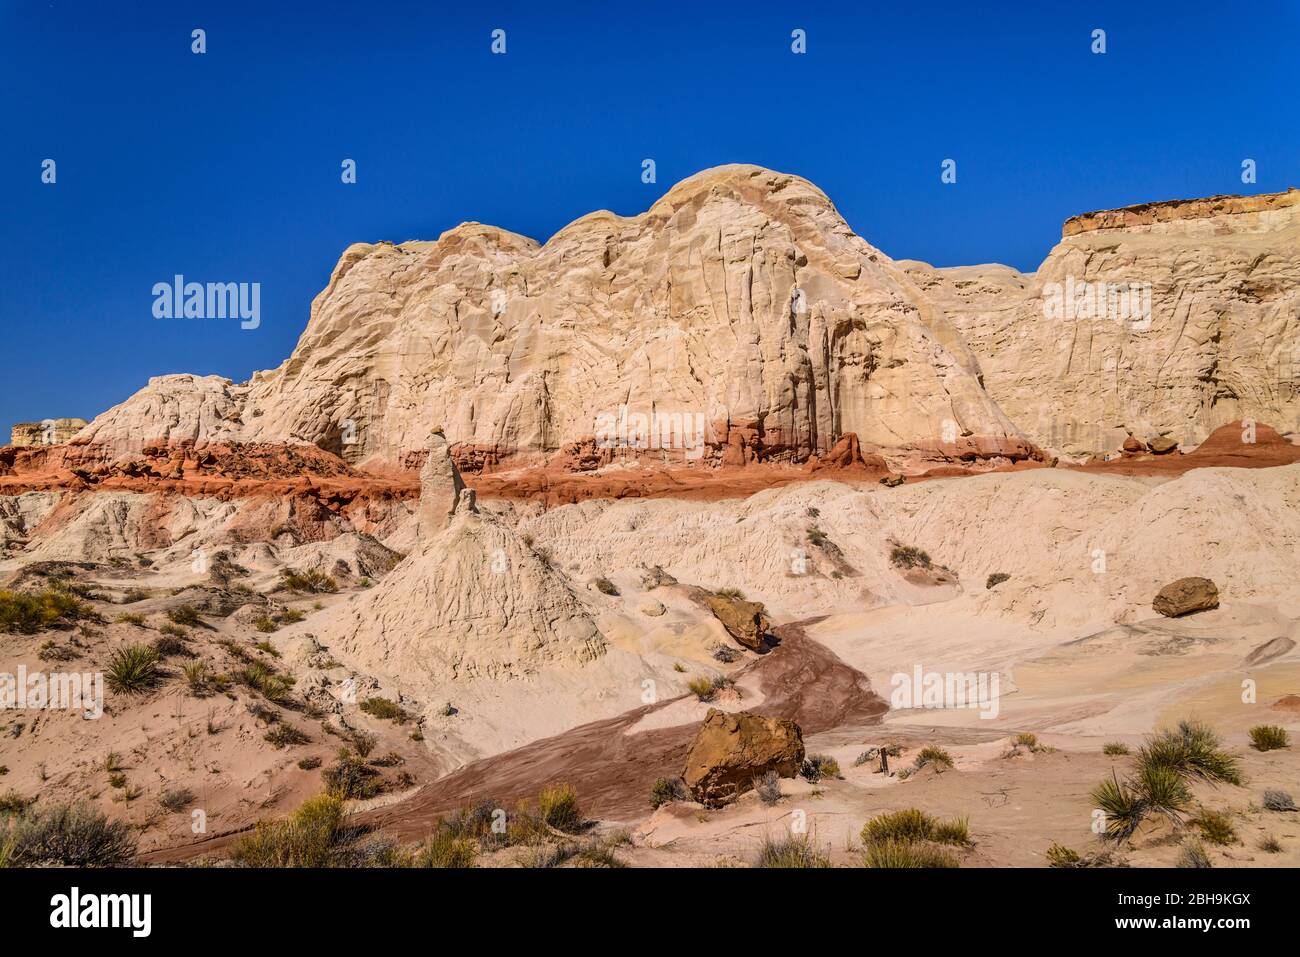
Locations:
{"points": [[175, 800], [818, 766], [350, 777], [65, 835], [185, 615], [559, 808], [911, 825], [1215, 826], [997, 578], [606, 587], [702, 688], [906, 556], [1270, 845], [1194, 854], [285, 735], [383, 708], [1058, 855], [668, 790], [310, 837], [264, 624], [735, 594], [1115, 749], [133, 595], [793, 850], [133, 669], [259, 677], [444, 849], [1269, 737], [906, 854], [131, 618], [816, 536], [27, 614], [768, 788], [309, 764], [935, 756], [197, 678], [311, 582], [727, 655]]}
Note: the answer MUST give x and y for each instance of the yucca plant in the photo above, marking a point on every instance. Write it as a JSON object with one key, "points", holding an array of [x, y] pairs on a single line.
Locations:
{"points": [[1122, 805], [133, 669]]}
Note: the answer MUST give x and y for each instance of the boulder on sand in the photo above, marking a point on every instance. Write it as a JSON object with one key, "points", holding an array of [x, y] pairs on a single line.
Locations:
{"points": [[730, 750], [1186, 596], [746, 621]]}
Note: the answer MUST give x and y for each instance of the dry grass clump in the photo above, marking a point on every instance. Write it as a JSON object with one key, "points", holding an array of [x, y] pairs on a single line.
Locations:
{"points": [[768, 788], [1115, 749], [313, 582], [906, 854], [668, 790], [912, 824], [818, 766], [703, 688], [309, 837], [175, 800], [65, 835], [907, 556], [1215, 826], [383, 708], [795, 850], [1269, 737]]}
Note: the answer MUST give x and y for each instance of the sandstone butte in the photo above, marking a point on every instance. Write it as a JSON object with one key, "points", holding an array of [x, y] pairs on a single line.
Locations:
{"points": [[743, 321]]}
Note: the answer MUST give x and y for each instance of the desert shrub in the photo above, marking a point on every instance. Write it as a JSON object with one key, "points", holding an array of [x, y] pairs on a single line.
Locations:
{"points": [[912, 824], [818, 766], [350, 777], [312, 582], [702, 688], [1058, 855], [168, 646], [53, 651], [768, 788], [133, 669], [285, 735], [997, 578], [1270, 845], [1026, 739], [933, 755], [667, 790], [185, 615], [28, 614], [266, 648], [1115, 749], [606, 587], [558, 806], [175, 800], [363, 742], [309, 837], [735, 594], [1192, 749], [11, 802], [816, 536], [1269, 737], [383, 708], [1215, 826], [174, 631], [1194, 854], [291, 616], [909, 854], [264, 624], [133, 595], [727, 655], [794, 850], [66, 835], [444, 849], [131, 618], [1279, 801], [309, 764], [906, 556], [117, 780]]}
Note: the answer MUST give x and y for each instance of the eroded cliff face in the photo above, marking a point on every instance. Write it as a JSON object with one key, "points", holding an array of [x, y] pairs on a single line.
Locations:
{"points": [[740, 307], [740, 319], [1212, 334]]}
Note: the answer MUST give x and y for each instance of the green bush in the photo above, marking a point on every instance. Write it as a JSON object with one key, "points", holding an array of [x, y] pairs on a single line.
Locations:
{"points": [[912, 824], [1215, 826], [906, 854], [383, 708], [1115, 749], [28, 614], [285, 735], [312, 582]]}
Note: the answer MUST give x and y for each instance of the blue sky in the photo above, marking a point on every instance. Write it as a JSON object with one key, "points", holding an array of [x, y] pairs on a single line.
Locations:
{"points": [[226, 166]]}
